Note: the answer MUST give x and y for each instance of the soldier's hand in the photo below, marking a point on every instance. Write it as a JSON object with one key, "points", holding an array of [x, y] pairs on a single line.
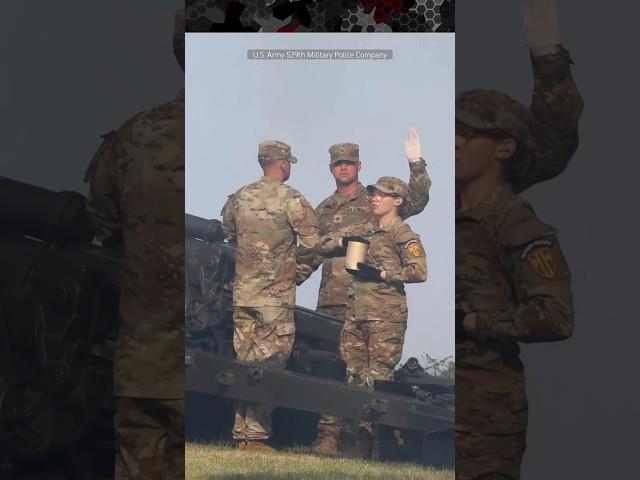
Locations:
{"points": [[541, 30], [465, 323], [303, 271], [354, 238], [412, 146], [368, 272], [469, 323]]}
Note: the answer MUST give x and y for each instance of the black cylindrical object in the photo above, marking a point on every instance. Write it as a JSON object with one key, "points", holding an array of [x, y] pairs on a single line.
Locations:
{"points": [[56, 217], [207, 230]]}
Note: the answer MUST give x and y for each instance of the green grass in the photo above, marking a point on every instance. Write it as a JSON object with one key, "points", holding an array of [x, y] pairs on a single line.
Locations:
{"points": [[218, 461]]}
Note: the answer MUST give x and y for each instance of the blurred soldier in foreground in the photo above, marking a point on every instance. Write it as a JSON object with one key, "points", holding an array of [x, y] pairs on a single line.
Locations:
{"points": [[273, 227], [349, 208], [136, 200], [512, 280], [376, 319]]}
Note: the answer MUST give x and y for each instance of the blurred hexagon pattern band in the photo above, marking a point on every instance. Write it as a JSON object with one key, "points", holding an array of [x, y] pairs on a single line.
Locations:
{"points": [[352, 16]]}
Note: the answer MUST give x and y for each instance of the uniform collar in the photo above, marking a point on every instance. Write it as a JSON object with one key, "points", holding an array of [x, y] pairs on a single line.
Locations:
{"points": [[392, 225], [488, 205], [357, 193], [267, 179]]}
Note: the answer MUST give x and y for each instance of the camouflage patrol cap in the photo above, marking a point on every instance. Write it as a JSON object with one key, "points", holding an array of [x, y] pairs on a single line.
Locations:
{"points": [[391, 186], [487, 110], [349, 152], [272, 150]]}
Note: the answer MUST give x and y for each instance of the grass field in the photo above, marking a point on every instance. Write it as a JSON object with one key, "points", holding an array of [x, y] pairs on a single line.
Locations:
{"points": [[216, 461]]}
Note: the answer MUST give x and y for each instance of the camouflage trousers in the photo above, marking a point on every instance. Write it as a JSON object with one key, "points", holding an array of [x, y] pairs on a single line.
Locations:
{"points": [[489, 457], [149, 436], [261, 334], [371, 350], [328, 425]]}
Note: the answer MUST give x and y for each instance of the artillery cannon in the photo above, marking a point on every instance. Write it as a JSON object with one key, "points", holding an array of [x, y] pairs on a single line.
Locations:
{"points": [[58, 311], [415, 411]]}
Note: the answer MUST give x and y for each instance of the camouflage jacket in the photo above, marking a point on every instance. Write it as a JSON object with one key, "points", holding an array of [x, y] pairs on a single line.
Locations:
{"points": [[555, 109], [136, 198], [266, 219], [394, 248], [511, 272], [348, 213]]}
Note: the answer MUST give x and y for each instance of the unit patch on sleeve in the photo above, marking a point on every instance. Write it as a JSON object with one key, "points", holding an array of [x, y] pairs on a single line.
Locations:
{"points": [[414, 248], [541, 258]]}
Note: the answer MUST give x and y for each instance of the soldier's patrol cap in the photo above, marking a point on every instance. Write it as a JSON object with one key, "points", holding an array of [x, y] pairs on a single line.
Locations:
{"points": [[391, 186], [349, 152], [272, 150], [490, 110]]}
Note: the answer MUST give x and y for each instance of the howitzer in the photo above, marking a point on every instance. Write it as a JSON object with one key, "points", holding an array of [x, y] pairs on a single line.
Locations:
{"points": [[415, 411], [58, 310]]}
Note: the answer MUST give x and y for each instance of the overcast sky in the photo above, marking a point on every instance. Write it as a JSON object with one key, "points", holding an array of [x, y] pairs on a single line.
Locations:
{"points": [[234, 103]]}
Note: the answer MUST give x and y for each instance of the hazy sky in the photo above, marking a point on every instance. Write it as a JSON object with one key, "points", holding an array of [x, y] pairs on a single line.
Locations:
{"points": [[234, 103]]}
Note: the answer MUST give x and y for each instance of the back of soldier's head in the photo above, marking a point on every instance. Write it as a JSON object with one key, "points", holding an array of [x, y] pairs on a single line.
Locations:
{"points": [[272, 154]]}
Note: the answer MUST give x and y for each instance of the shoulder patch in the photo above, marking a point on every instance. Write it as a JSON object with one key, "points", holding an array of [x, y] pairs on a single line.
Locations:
{"points": [[540, 258], [414, 248]]}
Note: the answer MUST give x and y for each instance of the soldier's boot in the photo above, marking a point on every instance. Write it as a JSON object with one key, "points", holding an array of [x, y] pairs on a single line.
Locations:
{"points": [[328, 435], [375, 443], [364, 444], [355, 442], [326, 444], [260, 446], [364, 440]]}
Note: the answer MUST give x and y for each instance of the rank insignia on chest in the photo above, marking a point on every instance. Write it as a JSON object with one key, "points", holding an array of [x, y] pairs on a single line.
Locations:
{"points": [[541, 258], [414, 248]]}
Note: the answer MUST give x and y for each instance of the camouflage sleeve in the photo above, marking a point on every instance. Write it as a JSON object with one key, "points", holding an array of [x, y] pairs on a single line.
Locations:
{"points": [[103, 200], [419, 185], [304, 223], [542, 310], [330, 245], [413, 268], [303, 270], [306, 265], [229, 220], [556, 107]]}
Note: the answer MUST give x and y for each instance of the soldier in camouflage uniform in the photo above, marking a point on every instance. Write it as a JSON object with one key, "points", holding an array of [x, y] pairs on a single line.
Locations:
{"points": [[512, 280], [136, 200], [273, 227], [373, 334], [347, 209]]}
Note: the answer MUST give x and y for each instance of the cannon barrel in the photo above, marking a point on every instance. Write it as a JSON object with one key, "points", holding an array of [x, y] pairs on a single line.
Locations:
{"points": [[412, 364], [57, 217], [206, 230]]}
